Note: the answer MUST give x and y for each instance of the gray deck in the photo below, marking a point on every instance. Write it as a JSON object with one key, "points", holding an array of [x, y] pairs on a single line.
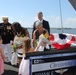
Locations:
{"points": [[10, 70]]}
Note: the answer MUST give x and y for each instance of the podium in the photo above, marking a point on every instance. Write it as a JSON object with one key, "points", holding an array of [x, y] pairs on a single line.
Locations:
{"points": [[53, 62]]}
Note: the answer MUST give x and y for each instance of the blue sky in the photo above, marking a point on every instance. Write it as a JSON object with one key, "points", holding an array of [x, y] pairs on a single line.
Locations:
{"points": [[25, 12]]}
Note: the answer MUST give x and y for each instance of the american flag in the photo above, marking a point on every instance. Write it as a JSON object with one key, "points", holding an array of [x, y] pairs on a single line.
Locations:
{"points": [[62, 41]]}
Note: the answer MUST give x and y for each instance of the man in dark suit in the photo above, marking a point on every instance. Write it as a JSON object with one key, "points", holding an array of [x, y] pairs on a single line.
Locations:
{"points": [[44, 22]]}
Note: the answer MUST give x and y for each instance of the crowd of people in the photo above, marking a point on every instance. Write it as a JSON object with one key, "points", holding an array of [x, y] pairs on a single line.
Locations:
{"points": [[15, 34]]}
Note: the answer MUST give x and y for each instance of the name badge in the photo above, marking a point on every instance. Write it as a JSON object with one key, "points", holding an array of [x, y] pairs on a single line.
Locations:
{"points": [[8, 27]]}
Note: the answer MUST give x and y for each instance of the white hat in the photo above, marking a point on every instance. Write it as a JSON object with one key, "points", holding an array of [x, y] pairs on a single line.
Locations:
{"points": [[4, 18]]}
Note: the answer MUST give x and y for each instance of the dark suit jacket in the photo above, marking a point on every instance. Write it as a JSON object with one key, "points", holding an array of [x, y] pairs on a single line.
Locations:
{"points": [[45, 25]]}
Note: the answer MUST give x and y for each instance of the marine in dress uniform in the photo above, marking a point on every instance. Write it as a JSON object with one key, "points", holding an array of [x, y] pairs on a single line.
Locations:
{"points": [[7, 34]]}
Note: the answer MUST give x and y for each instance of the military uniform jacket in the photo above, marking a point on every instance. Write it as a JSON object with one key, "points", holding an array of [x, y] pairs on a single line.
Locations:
{"points": [[6, 32]]}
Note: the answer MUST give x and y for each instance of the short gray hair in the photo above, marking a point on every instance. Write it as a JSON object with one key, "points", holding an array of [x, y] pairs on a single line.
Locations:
{"points": [[38, 23]]}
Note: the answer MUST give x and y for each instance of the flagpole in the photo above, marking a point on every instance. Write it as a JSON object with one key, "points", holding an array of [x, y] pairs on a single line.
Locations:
{"points": [[61, 16]]}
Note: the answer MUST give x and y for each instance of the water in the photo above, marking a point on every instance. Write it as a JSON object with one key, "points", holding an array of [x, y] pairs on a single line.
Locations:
{"points": [[70, 31]]}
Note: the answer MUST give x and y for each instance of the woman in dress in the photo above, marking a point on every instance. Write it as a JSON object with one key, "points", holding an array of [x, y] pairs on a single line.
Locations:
{"points": [[24, 66], [20, 35], [40, 30], [18, 29], [2, 58]]}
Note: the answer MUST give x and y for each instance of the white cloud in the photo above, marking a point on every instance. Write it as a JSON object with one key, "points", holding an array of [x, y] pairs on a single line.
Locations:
{"points": [[25, 23], [36, 18], [21, 16], [68, 22], [55, 21]]}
